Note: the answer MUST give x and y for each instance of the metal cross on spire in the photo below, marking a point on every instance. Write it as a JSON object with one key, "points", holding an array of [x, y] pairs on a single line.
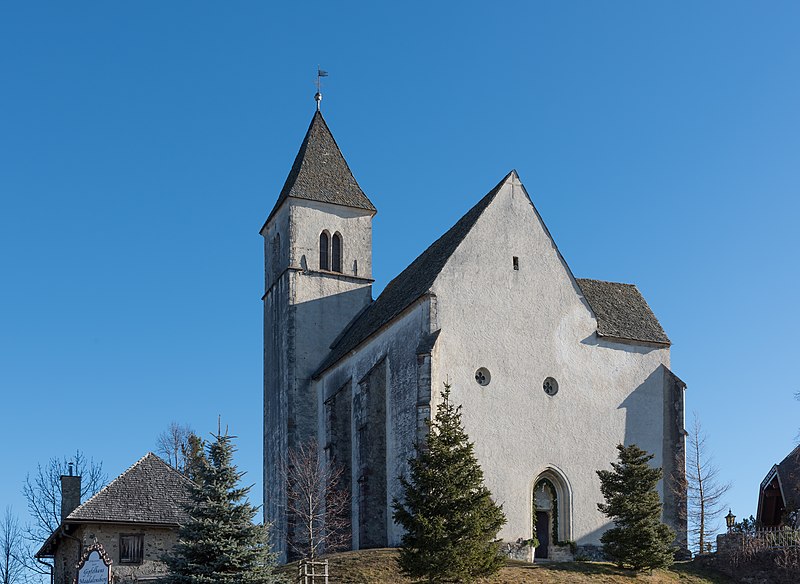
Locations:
{"points": [[320, 75]]}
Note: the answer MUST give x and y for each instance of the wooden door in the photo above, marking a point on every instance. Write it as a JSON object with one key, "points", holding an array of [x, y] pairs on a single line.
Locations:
{"points": [[542, 534]]}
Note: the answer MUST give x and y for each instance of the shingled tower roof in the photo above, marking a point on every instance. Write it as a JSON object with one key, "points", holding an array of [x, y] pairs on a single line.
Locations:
{"points": [[320, 172]]}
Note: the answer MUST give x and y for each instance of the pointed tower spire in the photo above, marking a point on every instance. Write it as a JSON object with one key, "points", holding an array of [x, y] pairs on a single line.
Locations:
{"points": [[320, 172]]}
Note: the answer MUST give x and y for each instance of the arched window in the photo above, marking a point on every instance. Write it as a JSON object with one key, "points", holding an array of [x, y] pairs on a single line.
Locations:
{"points": [[323, 251], [336, 253]]}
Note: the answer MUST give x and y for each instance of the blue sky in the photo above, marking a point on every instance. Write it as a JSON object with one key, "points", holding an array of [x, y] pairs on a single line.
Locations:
{"points": [[143, 144]]}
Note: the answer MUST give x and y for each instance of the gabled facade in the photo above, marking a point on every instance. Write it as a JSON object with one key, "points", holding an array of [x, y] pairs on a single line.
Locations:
{"points": [[135, 519], [779, 492], [552, 372]]}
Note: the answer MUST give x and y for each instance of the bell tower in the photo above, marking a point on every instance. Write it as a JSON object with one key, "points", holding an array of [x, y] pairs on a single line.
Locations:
{"points": [[318, 277]]}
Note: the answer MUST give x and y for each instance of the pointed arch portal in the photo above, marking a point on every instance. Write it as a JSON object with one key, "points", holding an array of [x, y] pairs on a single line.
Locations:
{"points": [[551, 505]]}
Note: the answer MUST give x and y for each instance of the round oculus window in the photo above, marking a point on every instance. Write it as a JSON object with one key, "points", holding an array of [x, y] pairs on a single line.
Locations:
{"points": [[482, 376], [550, 386]]}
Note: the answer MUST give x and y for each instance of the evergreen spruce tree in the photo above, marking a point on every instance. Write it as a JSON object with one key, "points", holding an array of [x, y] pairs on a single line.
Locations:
{"points": [[220, 544], [450, 520], [638, 539]]}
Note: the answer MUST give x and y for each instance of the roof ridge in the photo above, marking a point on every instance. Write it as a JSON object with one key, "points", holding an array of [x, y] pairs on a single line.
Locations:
{"points": [[487, 198], [411, 283], [123, 474], [170, 468], [607, 282], [105, 488]]}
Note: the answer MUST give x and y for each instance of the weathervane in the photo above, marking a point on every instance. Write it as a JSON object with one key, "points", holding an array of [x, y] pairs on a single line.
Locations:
{"points": [[320, 75]]}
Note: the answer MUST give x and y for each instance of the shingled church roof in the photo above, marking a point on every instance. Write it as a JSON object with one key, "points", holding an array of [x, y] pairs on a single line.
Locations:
{"points": [[150, 491], [620, 309], [320, 172], [622, 312], [410, 284]]}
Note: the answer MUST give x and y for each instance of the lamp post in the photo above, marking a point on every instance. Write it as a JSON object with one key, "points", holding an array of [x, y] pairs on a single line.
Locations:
{"points": [[730, 519]]}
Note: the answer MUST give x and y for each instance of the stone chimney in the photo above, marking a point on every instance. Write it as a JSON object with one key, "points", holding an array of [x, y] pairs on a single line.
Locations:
{"points": [[70, 493]]}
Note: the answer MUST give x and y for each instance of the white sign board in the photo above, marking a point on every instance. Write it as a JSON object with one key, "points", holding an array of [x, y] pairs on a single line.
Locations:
{"points": [[94, 570]]}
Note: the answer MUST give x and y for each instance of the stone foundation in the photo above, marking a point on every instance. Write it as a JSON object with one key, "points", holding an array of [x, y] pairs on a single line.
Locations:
{"points": [[518, 550], [560, 553], [590, 553]]}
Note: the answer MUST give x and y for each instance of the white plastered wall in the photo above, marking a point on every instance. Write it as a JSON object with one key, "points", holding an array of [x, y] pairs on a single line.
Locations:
{"points": [[310, 218], [524, 326]]}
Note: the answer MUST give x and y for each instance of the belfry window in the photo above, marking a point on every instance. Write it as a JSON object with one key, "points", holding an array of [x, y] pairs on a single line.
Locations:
{"points": [[336, 253], [323, 251]]}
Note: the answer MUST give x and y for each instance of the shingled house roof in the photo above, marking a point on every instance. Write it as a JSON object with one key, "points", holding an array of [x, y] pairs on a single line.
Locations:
{"points": [[410, 284], [150, 491], [320, 172], [622, 312], [789, 473]]}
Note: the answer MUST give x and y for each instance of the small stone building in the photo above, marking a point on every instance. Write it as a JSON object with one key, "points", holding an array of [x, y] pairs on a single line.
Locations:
{"points": [[552, 371], [135, 518]]}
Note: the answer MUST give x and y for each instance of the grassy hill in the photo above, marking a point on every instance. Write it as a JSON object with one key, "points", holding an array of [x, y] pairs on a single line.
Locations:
{"points": [[379, 567]]}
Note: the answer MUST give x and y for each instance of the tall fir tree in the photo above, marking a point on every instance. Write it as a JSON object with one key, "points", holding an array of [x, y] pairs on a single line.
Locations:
{"points": [[449, 517], [220, 544], [639, 539]]}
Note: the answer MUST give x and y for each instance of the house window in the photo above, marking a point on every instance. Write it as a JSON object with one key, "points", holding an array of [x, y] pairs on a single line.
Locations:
{"points": [[323, 251], [131, 549], [336, 253], [515, 262]]}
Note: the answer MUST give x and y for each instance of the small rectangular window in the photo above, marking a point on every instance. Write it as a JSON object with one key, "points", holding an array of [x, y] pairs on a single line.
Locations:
{"points": [[516, 263], [131, 549]]}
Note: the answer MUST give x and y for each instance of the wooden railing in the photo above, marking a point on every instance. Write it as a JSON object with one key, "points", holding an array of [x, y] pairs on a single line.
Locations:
{"points": [[312, 572]]}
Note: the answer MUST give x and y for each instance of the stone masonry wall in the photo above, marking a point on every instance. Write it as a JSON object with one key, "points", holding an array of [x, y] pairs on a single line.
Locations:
{"points": [[407, 381], [370, 407], [338, 411], [305, 309], [157, 541]]}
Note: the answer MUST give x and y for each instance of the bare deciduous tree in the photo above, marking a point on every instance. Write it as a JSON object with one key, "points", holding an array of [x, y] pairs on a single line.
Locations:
{"points": [[42, 492], [12, 550], [318, 506], [173, 445], [704, 491]]}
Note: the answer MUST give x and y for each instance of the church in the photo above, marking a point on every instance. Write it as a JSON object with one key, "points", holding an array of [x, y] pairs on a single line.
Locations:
{"points": [[552, 371]]}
